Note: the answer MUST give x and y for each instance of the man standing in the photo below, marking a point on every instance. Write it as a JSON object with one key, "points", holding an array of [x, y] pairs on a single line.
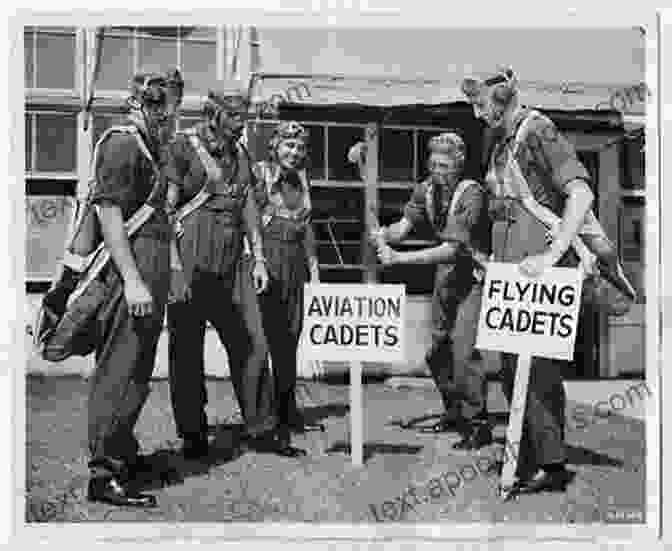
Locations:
{"points": [[216, 209], [550, 176], [456, 211], [131, 319]]}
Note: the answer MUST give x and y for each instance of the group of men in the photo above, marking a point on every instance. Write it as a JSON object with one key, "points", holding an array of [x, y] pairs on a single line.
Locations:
{"points": [[189, 259], [198, 259], [474, 223]]}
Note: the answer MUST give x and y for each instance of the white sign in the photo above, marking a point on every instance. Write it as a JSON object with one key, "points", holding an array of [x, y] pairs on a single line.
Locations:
{"points": [[47, 219], [530, 316], [354, 322]]}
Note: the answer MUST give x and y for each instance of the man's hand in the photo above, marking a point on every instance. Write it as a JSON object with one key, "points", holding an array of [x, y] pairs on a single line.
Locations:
{"points": [[138, 297], [179, 288], [260, 277], [378, 236], [534, 266], [387, 255]]}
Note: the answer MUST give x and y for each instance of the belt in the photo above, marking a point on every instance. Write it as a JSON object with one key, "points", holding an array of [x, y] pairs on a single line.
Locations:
{"points": [[284, 232]]}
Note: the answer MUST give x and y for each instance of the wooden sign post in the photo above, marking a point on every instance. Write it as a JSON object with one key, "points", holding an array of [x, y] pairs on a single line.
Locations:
{"points": [[527, 317], [354, 323]]}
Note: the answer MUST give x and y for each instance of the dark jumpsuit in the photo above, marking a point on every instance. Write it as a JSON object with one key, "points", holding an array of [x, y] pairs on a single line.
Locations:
{"points": [[222, 292], [456, 301], [126, 354], [284, 232], [548, 162]]}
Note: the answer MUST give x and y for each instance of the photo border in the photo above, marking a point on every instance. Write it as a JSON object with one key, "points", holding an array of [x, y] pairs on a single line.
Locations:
{"points": [[336, 532]]}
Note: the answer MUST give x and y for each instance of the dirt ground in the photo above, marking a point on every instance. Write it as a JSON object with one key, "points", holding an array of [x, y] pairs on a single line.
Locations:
{"points": [[408, 475]]}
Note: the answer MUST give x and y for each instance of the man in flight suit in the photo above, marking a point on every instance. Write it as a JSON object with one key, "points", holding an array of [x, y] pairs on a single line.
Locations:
{"points": [[463, 232], [558, 181], [217, 284], [138, 279]]}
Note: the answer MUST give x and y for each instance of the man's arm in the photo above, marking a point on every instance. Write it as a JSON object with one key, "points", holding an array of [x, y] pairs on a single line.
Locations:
{"points": [[397, 232], [137, 293], [570, 177], [115, 175], [441, 254], [310, 245], [252, 222], [454, 236], [579, 201]]}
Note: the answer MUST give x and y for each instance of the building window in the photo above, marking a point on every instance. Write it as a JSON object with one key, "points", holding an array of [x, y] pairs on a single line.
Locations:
{"points": [[632, 234], [338, 195], [396, 158], [49, 55], [51, 143], [339, 141], [126, 50]]}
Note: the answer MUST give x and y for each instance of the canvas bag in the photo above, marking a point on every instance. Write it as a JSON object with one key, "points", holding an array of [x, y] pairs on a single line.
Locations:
{"points": [[605, 284], [64, 325]]}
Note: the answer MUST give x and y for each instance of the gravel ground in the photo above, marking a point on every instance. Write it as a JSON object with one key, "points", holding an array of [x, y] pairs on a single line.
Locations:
{"points": [[408, 476]]}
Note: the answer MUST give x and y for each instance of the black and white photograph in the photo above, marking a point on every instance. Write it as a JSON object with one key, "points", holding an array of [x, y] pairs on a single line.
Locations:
{"points": [[352, 279]]}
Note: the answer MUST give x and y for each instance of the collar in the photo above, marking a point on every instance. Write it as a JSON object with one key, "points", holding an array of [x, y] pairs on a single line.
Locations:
{"points": [[445, 190], [275, 175], [520, 116], [136, 119], [216, 147]]}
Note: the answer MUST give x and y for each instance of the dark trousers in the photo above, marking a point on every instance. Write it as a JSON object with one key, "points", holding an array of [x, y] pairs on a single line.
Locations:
{"points": [[282, 309], [456, 366], [282, 326], [230, 305], [125, 360], [517, 234], [543, 434]]}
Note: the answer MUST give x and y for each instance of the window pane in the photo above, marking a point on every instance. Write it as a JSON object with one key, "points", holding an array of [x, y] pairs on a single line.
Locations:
{"points": [[55, 61], [157, 54], [316, 152], [337, 216], [340, 140], [29, 143], [28, 44], [635, 163], [341, 276], [396, 155], [56, 143], [199, 66], [632, 242], [116, 63]]}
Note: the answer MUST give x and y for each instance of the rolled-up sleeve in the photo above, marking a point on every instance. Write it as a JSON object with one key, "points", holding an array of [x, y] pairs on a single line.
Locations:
{"points": [[557, 154], [470, 209], [415, 210], [115, 166]]}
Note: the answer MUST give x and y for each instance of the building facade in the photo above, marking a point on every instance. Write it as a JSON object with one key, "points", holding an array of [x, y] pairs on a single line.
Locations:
{"points": [[395, 118]]}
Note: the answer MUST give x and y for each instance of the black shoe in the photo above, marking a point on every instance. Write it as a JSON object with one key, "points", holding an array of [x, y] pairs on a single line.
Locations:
{"points": [[305, 426], [112, 491], [195, 448], [285, 449], [478, 435], [547, 481], [275, 443]]}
